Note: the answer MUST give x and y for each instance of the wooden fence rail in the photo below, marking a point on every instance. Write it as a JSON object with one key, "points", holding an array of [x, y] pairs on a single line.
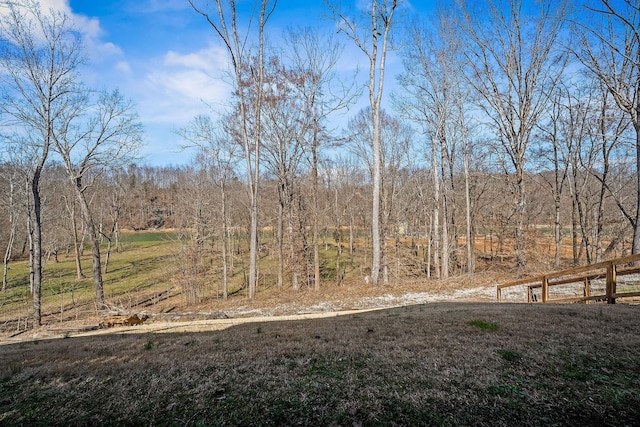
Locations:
{"points": [[606, 281]]}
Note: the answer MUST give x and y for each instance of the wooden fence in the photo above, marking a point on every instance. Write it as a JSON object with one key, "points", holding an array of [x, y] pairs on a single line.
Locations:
{"points": [[604, 281]]}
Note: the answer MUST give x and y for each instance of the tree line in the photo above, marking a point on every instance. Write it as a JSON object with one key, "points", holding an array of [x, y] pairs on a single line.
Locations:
{"points": [[501, 123]]}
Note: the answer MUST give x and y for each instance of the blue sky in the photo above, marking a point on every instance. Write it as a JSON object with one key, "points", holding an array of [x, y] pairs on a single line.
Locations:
{"points": [[166, 58]]}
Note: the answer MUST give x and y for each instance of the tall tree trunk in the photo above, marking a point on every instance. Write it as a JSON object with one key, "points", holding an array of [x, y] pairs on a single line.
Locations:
{"points": [[586, 241], [116, 234], [37, 248], [597, 238], [316, 249], [280, 234], [379, 18], [435, 230], [12, 235], [235, 44], [603, 181], [76, 243], [94, 236], [444, 272], [253, 248], [225, 243], [107, 255], [7, 255], [292, 248], [520, 199], [557, 230], [254, 184], [430, 242], [29, 239], [351, 238], [112, 234], [557, 192], [467, 197], [375, 218], [635, 247], [574, 218]]}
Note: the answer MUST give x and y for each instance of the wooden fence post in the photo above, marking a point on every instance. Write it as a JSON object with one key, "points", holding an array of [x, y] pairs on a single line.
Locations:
{"points": [[587, 289], [611, 283], [545, 289]]}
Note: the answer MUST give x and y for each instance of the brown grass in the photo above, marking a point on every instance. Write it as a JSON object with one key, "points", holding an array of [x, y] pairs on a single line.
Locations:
{"points": [[457, 363], [433, 364]]}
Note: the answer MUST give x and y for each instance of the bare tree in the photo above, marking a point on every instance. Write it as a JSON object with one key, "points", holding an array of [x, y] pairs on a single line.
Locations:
{"points": [[70, 206], [14, 178], [39, 60], [608, 129], [513, 66], [568, 130], [314, 57], [195, 220], [582, 137], [610, 49], [115, 198], [395, 151], [100, 136], [218, 146], [551, 134], [224, 21], [437, 99], [369, 38], [285, 123]]}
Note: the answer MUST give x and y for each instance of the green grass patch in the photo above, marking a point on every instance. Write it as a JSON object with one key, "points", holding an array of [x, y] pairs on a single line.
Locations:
{"points": [[148, 237], [509, 355], [141, 264], [506, 391], [485, 326]]}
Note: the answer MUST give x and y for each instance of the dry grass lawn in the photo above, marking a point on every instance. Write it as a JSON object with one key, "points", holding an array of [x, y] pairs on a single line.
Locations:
{"points": [[433, 364]]}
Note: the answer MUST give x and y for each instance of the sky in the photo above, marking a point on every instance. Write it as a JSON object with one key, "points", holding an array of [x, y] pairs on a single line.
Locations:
{"points": [[167, 59]]}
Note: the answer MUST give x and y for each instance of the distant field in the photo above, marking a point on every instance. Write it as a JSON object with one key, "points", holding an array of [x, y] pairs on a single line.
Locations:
{"points": [[142, 237], [138, 270], [443, 364]]}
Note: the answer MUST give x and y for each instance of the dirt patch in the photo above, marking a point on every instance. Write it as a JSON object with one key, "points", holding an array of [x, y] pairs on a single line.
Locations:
{"points": [[217, 320], [273, 302]]}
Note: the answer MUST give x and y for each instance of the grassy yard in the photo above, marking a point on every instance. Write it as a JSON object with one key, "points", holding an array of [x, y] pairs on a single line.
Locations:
{"points": [[137, 271], [147, 264], [436, 364], [443, 364]]}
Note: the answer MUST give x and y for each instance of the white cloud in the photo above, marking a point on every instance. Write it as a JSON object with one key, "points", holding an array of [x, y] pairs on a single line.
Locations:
{"points": [[61, 5], [187, 84], [184, 85], [123, 66], [210, 60], [90, 29]]}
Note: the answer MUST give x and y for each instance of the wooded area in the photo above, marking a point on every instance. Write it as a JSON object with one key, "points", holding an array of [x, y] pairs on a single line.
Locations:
{"points": [[511, 141]]}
